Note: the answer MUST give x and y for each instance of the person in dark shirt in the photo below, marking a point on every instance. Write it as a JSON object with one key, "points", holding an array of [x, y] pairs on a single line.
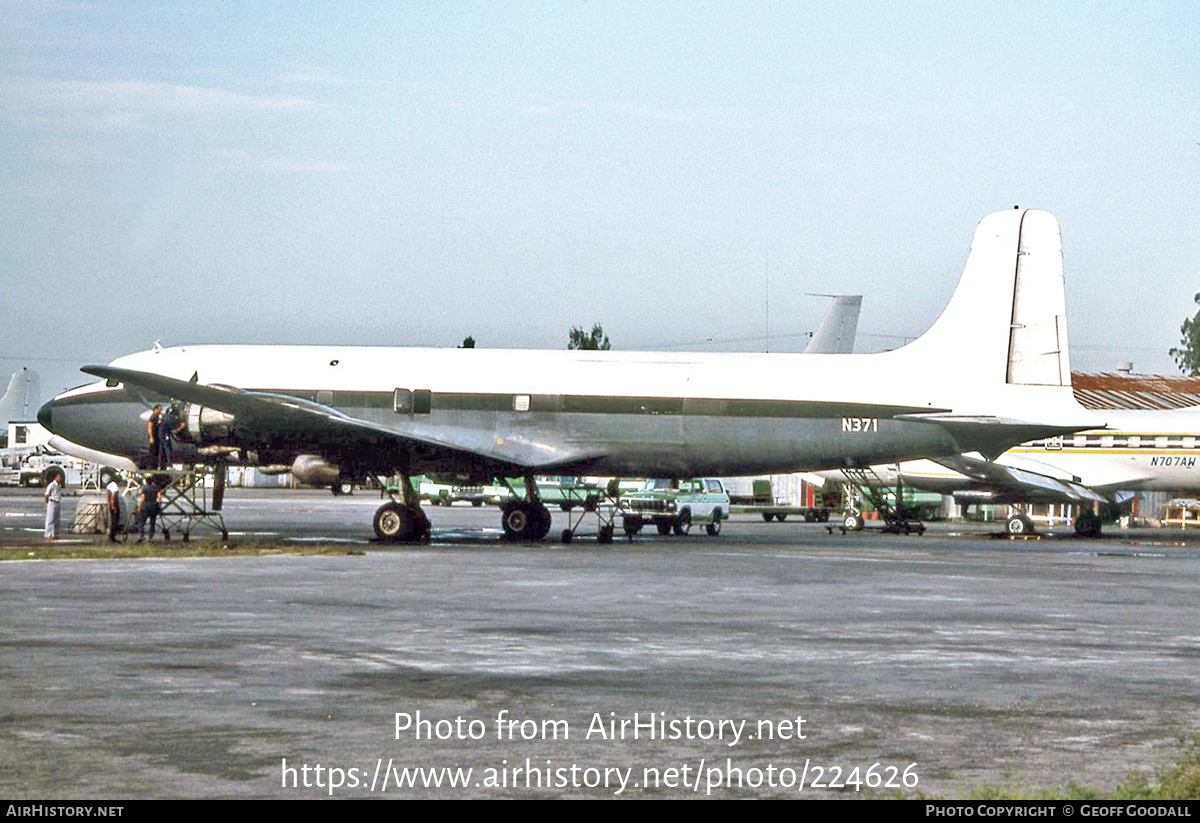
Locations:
{"points": [[152, 425], [150, 507], [168, 425]]}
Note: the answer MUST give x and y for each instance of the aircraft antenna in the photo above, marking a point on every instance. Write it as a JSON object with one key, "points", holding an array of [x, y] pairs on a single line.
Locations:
{"points": [[766, 302]]}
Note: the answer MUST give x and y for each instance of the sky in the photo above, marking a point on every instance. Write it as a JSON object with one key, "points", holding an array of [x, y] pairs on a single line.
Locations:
{"points": [[686, 174]]}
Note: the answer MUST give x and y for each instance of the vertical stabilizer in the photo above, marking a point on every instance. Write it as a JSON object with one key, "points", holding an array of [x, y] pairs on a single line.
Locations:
{"points": [[838, 327], [20, 401], [1006, 322], [1037, 348]]}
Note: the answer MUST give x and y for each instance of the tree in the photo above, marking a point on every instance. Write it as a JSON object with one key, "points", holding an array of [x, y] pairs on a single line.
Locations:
{"points": [[597, 340], [468, 342], [1187, 357]]}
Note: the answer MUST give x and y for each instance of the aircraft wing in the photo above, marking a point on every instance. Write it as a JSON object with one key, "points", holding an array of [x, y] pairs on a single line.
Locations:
{"points": [[314, 427], [1026, 483], [1099, 475]]}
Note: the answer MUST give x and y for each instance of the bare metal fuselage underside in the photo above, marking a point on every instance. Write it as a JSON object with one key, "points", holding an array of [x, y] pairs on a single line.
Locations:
{"points": [[650, 437]]}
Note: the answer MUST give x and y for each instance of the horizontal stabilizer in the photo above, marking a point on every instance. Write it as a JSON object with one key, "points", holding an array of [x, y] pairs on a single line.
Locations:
{"points": [[992, 436]]}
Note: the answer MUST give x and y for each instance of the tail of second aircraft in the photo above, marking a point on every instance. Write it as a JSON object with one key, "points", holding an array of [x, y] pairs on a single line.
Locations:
{"points": [[1006, 322], [838, 327]]}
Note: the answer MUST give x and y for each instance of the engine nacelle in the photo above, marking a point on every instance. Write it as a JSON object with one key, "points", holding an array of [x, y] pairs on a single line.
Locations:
{"points": [[208, 426], [314, 470]]}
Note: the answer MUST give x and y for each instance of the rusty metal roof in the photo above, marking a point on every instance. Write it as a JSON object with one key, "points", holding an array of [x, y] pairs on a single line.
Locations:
{"points": [[1118, 390]]}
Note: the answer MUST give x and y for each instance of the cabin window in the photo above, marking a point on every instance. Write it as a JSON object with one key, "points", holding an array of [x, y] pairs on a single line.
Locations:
{"points": [[406, 401], [521, 403], [402, 401], [20, 434]]}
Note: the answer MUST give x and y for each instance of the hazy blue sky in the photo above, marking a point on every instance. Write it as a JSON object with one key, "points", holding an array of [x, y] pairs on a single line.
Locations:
{"points": [[411, 173]]}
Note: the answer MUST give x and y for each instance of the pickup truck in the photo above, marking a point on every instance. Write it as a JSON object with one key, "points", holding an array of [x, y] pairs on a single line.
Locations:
{"points": [[674, 505]]}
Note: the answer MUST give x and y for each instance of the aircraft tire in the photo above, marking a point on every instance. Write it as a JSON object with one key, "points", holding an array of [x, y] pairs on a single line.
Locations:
{"points": [[1087, 525], [539, 522], [515, 519], [393, 523], [1018, 524], [853, 522]]}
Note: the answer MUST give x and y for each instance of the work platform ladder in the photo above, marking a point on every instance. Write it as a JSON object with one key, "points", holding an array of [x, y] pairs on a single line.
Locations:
{"points": [[875, 490], [186, 504]]}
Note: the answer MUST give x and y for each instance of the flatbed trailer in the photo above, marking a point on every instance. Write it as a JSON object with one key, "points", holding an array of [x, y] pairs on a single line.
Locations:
{"points": [[763, 502], [771, 512]]}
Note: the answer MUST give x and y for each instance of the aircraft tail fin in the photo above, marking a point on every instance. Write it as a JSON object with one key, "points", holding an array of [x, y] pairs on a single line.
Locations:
{"points": [[838, 327], [1006, 322]]}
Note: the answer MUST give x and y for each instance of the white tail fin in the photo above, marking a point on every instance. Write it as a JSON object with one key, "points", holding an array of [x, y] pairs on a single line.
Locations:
{"points": [[838, 327], [1006, 322]]}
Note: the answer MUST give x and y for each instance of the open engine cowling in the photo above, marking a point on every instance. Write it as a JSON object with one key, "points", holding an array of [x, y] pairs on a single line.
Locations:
{"points": [[207, 426]]}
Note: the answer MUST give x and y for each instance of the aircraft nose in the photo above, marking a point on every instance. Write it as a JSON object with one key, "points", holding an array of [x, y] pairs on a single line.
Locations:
{"points": [[46, 415]]}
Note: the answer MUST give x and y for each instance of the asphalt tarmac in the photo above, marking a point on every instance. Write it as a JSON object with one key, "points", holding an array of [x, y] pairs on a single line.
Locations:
{"points": [[773, 660]]}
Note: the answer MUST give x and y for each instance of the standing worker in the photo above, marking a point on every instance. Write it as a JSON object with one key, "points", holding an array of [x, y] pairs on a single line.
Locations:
{"points": [[152, 433], [114, 509], [151, 507], [166, 426], [53, 496]]}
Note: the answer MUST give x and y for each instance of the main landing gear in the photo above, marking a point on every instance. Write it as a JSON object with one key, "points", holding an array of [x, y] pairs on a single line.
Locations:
{"points": [[402, 521], [525, 520], [1019, 525]]}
